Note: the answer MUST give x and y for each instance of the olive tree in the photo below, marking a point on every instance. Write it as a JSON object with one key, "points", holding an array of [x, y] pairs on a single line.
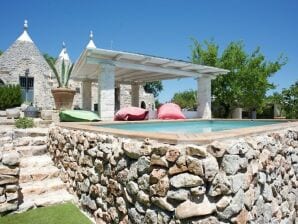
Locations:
{"points": [[248, 80]]}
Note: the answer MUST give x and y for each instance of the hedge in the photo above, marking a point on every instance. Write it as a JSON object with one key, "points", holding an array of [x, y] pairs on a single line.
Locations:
{"points": [[10, 96]]}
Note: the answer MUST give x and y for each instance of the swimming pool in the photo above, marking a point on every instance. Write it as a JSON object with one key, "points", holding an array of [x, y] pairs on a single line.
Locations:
{"points": [[189, 126]]}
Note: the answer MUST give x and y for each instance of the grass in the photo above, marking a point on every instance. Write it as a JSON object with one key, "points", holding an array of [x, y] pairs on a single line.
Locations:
{"points": [[58, 214]]}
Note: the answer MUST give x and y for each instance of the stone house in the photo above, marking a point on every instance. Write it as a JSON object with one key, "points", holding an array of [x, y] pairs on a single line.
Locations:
{"points": [[22, 63]]}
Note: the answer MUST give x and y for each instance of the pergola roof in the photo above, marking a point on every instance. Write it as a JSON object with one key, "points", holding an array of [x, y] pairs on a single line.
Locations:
{"points": [[138, 68]]}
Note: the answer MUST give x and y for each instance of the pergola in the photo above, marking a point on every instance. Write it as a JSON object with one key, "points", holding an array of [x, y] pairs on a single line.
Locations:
{"points": [[109, 67]]}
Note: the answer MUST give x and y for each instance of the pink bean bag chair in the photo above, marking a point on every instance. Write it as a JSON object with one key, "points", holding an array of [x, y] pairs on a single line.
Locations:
{"points": [[131, 114], [170, 111]]}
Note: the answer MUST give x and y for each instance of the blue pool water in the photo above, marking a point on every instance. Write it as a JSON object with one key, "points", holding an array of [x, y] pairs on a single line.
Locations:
{"points": [[189, 126]]}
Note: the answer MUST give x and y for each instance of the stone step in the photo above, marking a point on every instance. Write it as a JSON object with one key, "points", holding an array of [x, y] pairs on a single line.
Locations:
{"points": [[46, 199], [32, 150], [38, 173], [26, 141], [30, 132], [40, 187], [36, 161], [4, 140]]}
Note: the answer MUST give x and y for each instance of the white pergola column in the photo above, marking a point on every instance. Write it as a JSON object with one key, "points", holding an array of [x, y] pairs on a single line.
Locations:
{"points": [[204, 97], [106, 91], [135, 95], [87, 95]]}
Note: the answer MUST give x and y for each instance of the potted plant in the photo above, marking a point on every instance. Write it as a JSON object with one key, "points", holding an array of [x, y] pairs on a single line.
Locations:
{"points": [[63, 95]]}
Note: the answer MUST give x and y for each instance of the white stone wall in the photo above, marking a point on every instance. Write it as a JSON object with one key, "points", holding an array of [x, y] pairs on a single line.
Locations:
{"points": [[24, 55], [125, 95], [148, 98], [126, 99]]}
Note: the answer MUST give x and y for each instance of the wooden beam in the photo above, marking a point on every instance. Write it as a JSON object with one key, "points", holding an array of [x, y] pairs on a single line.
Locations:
{"points": [[133, 74], [167, 64], [145, 60], [154, 77], [122, 71], [187, 67], [118, 57], [206, 70], [148, 68]]}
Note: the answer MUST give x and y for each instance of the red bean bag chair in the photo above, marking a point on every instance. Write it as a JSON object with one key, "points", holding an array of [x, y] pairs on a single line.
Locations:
{"points": [[170, 111], [131, 114]]}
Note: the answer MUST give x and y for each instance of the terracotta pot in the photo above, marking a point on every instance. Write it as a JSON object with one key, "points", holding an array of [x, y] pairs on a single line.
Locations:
{"points": [[63, 98]]}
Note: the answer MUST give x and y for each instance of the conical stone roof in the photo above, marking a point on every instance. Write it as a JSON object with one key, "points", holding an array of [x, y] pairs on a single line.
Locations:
{"points": [[22, 55]]}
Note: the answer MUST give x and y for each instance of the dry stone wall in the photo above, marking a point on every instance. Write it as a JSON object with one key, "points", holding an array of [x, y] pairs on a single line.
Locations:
{"points": [[118, 180], [9, 175]]}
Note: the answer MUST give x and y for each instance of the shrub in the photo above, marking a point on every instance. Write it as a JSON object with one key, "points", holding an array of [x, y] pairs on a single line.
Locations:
{"points": [[24, 122], [10, 96]]}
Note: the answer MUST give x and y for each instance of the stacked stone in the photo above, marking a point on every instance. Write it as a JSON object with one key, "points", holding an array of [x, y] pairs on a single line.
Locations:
{"points": [[120, 180], [9, 179]]}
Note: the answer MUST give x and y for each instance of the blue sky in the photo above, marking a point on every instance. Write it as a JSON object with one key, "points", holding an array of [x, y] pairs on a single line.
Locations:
{"points": [[161, 28]]}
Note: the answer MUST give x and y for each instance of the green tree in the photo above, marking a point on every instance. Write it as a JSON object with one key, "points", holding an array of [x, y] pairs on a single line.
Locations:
{"points": [[290, 101], [1, 52], [153, 87], [157, 103], [186, 99], [248, 80]]}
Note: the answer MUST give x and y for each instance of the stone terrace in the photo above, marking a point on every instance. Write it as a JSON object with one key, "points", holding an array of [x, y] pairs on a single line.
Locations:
{"points": [[120, 180]]}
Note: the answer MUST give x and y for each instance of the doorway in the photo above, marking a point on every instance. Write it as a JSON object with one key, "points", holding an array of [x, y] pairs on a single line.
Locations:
{"points": [[27, 88]]}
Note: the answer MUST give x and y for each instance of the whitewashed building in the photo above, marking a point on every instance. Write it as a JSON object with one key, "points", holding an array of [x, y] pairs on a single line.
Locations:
{"points": [[22, 63], [104, 80]]}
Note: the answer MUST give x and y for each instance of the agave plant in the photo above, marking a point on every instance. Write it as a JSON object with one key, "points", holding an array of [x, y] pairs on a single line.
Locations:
{"points": [[62, 75]]}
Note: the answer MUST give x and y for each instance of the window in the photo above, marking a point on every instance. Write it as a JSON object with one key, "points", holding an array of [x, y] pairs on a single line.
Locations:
{"points": [[26, 83], [78, 90], [27, 88]]}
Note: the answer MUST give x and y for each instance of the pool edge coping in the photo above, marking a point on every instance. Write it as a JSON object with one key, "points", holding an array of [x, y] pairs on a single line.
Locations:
{"points": [[197, 138]]}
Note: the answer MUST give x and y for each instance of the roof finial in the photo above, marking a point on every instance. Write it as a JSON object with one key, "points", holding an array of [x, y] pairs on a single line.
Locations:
{"points": [[91, 43], [63, 54], [91, 35], [25, 36], [25, 24]]}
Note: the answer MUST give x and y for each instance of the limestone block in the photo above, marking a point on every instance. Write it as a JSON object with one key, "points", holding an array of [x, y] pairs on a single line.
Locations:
{"points": [[178, 195], [46, 114], [5, 170], [195, 150], [7, 206], [11, 158], [2, 113], [162, 203], [13, 113], [186, 180], [189, 209]]}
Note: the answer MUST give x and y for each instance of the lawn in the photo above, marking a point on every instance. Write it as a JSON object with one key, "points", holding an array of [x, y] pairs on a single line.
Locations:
{"points": [[58, 214]]}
